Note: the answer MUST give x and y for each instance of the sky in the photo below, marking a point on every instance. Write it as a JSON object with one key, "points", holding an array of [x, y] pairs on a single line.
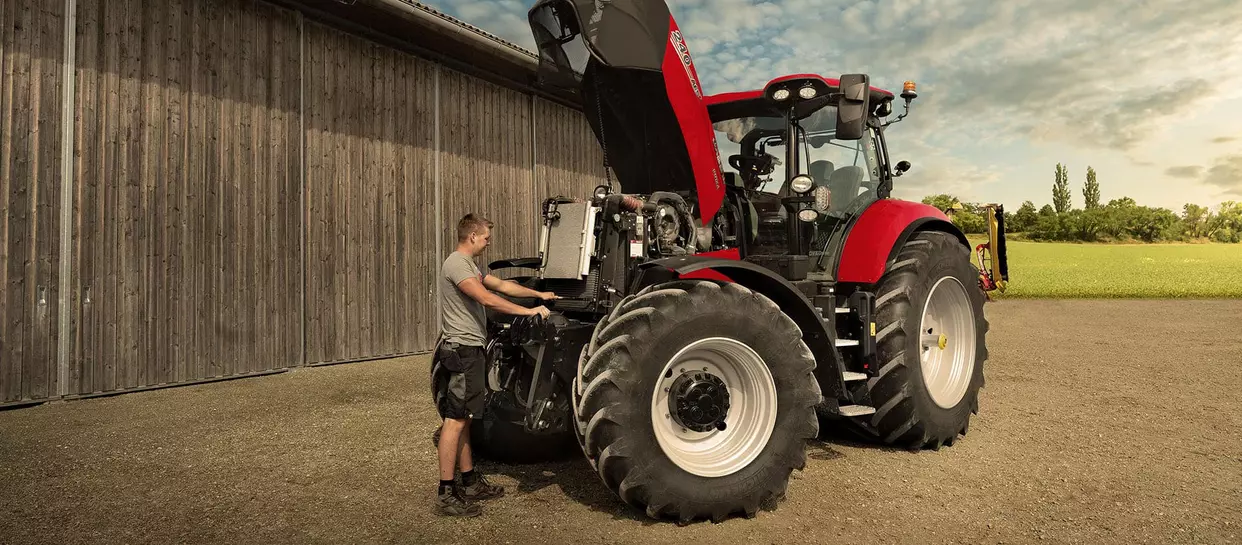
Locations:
{"points": [[1147, 92]]}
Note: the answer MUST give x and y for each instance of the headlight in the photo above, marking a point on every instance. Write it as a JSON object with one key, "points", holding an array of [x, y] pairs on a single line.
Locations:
{"points": [[808, 215], [781, 94], [823, 198], [801, 183], [807, 92]]}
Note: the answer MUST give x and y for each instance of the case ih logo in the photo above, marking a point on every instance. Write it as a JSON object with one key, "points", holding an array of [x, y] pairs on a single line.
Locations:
{"points": [[684, 52]]}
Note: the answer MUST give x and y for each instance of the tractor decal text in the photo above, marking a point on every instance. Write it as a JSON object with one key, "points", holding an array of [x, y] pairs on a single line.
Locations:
{"points": [[684, 52]]}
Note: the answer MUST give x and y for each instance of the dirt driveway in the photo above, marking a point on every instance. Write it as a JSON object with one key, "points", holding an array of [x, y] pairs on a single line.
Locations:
{"points": [[1101, 422]]}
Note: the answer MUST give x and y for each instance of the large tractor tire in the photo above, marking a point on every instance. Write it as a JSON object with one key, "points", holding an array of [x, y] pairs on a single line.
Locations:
{"points": [[743, 396], [930, 343], [500, 440]]}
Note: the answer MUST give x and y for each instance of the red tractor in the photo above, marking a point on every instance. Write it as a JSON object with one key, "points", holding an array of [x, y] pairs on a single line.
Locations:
{"points": [[711, 320]]}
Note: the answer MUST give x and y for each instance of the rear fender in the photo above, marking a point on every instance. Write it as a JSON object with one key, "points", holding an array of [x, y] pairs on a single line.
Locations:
{"points": [[760, 279], [877, 236]]}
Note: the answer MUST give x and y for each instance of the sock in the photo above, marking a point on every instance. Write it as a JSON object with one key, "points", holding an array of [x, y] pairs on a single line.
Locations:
{"points": [[468, 477], [446, 486]]}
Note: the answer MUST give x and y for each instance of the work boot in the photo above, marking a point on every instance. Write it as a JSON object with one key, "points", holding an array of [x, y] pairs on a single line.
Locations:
{"points": [[479, 489], [449, 504]]}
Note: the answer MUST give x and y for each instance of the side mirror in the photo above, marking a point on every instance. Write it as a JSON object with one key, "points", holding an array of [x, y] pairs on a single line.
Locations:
{"points": [[902, 167], [853, 106]]}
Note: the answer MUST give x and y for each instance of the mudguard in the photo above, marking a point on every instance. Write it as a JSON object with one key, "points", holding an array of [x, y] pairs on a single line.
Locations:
{"points": [[880, 231], [720, 266]]}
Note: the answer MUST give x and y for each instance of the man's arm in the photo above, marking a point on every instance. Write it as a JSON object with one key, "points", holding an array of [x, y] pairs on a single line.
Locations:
{"points": [[513, 289], [472, 287]]}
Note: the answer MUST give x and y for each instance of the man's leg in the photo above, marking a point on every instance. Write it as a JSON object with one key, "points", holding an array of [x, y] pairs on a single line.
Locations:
{"points": [[474, 486], [450, 436], [465, 460], [456, 419]]}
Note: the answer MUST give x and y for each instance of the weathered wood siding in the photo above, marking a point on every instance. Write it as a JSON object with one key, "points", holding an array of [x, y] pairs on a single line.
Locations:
{"points": [[371, 238], [569, 161], [32, 53], [486, 164], [187, 236], [249, 191]]}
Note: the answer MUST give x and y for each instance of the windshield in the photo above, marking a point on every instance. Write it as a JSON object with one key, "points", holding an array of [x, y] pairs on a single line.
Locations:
{"points": [[754, 148]]}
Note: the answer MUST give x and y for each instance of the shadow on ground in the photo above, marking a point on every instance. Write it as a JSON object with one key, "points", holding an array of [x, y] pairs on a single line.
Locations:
{"points": [[572, 474]]}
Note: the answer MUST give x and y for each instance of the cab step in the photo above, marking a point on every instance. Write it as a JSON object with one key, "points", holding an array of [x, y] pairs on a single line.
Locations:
{"points": [[847, 342], [850, 376], [856, 410]]}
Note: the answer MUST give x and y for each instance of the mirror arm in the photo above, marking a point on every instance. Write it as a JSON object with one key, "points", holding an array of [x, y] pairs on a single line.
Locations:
{"points": [[902, 116]]}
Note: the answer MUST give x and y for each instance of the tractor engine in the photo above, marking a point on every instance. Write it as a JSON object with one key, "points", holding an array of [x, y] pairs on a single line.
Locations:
{"points": [[588, 247], [588, 250]]}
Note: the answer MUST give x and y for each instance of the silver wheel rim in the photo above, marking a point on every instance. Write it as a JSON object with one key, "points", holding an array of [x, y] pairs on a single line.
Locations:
{"points": [[947, 342], [748, 424]]}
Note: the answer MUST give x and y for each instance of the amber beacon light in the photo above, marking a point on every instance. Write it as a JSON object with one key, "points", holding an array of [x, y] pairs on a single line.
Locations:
{"points": [[908, 90]]}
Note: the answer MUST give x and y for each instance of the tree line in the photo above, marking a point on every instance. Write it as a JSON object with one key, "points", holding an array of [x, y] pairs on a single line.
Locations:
{"points": [[1118, 220]]}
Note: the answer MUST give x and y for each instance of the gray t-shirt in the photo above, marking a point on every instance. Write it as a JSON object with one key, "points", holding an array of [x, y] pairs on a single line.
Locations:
{"points": [[463, 319]]}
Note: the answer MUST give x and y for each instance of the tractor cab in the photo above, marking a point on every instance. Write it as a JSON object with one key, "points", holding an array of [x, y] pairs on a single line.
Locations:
{"points": [[803, 161]]}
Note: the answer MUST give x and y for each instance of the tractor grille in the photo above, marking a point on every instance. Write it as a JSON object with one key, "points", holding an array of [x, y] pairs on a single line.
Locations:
{"points": [[575, 294]]}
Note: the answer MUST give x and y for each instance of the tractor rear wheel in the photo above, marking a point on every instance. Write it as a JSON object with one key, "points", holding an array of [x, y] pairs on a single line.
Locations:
{"points": [[696, 400], [930, 345]]}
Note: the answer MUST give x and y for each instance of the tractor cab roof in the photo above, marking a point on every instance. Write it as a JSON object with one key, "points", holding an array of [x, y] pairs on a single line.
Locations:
{"points": [[738, 104]]}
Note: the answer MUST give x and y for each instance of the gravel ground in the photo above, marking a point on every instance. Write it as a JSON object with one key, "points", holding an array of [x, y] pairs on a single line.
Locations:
{"points": [[1101, 422]]}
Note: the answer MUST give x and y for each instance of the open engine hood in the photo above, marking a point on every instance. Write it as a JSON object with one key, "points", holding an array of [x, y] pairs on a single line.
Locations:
{"points": [[627, 61]]}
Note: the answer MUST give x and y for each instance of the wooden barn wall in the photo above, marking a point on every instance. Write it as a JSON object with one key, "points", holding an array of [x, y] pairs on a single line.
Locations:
{"points": [[371, 239], [187, 236], [31, 58], [487, 164], [568, 159], [248, 191]]}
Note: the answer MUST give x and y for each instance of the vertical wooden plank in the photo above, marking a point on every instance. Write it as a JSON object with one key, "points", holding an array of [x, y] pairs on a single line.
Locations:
{"points": [[200, 186], [243, 181], [178, 81], [82, 354], [312, 185], [155, 188], [262, 251], [10, 372], [17, 189]]}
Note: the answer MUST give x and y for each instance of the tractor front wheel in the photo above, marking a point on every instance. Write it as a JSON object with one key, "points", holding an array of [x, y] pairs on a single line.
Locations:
{"points": [[930, 345], [696, 400]]}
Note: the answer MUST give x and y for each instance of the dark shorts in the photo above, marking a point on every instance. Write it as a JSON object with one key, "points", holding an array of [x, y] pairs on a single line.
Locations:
{"points": [[464, 381]]}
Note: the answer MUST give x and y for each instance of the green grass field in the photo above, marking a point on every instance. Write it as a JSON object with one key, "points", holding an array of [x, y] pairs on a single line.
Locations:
{"points": [[1054, 270]]}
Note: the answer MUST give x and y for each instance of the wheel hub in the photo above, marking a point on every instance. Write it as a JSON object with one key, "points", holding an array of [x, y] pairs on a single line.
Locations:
{"points": [[699, 402], [714, 406], [947, 351]]}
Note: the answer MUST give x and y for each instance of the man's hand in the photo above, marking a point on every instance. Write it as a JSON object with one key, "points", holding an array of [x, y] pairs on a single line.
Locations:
{"points": [[540, 310], [548, 296]]}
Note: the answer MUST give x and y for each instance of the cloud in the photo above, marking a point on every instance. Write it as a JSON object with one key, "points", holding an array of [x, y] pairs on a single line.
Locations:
{"points": [[1098, 75], [1226, 174], [1193, 171], [1223, 139]]}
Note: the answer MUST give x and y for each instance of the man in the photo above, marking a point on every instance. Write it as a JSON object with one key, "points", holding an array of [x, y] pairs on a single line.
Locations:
{"points": [[465, 293]]}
